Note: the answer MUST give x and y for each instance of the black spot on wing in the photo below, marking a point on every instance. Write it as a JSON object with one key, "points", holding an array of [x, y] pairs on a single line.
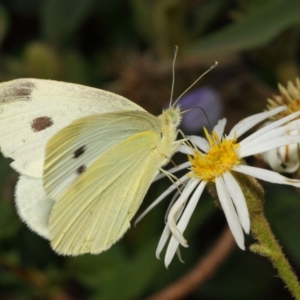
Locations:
{"points": [[41, 123], [81, 169], [78, 152]]}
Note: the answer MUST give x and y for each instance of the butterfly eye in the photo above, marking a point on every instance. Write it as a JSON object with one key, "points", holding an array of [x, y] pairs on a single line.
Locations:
{"points": [[174, 116]]}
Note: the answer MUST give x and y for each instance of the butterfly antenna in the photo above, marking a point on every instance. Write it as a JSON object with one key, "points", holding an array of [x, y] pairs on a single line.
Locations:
{"points": [[210, 68], [173, 75], [206, 117]]}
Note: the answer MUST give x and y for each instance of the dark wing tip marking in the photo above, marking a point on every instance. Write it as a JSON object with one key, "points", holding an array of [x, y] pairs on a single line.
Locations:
{"points": [[20, 91], [78, 152], [24, 90], [81, 169], [41, 123]]}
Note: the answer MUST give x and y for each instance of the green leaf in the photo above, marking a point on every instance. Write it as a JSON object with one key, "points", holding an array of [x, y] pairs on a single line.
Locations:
{"points": [[255, 30], [206, 14], [76, 68], [41, 61], [142, 18], [61, 18]]}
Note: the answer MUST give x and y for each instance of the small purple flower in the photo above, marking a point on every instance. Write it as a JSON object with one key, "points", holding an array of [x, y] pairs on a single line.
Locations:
{"points": [[208, 100]]}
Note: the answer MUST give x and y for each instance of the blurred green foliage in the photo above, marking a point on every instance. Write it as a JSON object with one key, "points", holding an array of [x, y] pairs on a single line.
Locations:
{"points": [[127, 47]]}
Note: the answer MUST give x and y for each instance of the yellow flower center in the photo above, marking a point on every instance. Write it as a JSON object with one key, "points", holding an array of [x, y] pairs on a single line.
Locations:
{"points": [[289, 96], [221, 157]]}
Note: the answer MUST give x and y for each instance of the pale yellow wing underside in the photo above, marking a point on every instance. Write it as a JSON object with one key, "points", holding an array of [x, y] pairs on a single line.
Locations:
{"points": [[79, 145], [95, 211]]}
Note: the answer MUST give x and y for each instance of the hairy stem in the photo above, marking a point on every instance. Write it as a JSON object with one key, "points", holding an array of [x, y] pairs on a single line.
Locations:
{"points": [[266, 245]]}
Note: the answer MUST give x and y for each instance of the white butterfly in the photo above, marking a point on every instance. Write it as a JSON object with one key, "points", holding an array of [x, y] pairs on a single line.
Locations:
{"points": [[102, 153]]}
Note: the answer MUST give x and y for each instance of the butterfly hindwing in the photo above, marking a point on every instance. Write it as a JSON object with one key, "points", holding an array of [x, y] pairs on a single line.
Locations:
{"points": [[95, 210], [76, 147]]}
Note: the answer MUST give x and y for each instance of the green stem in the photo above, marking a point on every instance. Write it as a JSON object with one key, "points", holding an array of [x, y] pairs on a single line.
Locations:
{"points": [[267, 244]]}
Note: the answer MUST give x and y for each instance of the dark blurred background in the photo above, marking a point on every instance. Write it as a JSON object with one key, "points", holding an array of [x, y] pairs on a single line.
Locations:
{"points": [[127, 47]]}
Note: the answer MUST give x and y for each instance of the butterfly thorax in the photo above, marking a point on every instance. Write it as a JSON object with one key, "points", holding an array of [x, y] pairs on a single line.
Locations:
{"points": [[169, 121]]}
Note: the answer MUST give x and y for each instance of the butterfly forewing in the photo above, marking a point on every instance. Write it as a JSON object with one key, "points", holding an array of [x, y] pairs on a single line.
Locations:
{"points": [[33, 206], [32, 110]]}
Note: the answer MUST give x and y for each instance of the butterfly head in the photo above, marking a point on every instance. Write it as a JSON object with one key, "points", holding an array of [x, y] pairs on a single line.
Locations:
{"points": [[172, 116]]}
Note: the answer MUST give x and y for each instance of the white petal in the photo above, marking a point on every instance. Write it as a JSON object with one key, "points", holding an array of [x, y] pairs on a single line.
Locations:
{"points": [[166, 233], [179, 255], [283, 159], [219, 128], [200, 142], [173, 244], [272, 126], [179, 204], [274, 133], [185, 149], [168, 191], [247, 123], [185, 218], [172, 248], [162, 241], [173, 200], [268, 145], [266, 175], [173, 170], [238, 199], [230, 213]]}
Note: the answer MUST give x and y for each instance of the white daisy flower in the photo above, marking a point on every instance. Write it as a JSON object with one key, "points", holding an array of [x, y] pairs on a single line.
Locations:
{"points": [[286, 158], [215, 159]]}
